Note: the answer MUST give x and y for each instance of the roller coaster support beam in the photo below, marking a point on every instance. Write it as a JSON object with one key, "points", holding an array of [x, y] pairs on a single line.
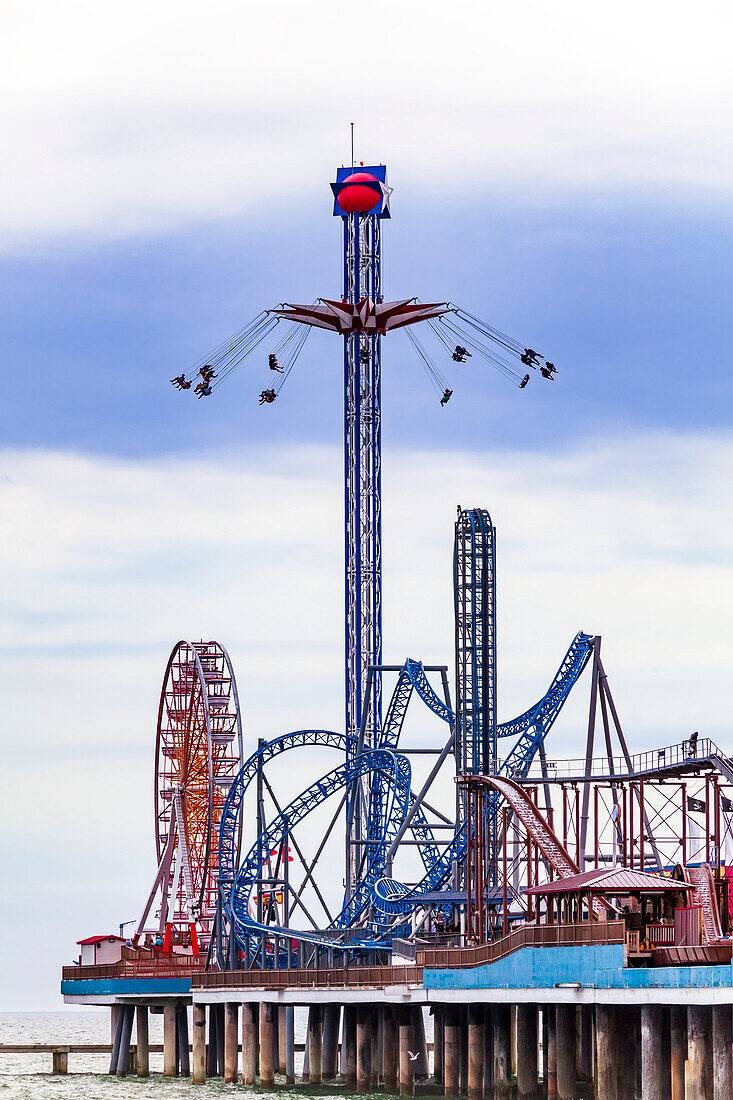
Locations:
{"points": [[600, 691], [589, 753], [419, 801]]}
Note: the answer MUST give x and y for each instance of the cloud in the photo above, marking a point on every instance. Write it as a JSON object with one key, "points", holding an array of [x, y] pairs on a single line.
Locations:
{"points": [[107, 562], [212, 111]]}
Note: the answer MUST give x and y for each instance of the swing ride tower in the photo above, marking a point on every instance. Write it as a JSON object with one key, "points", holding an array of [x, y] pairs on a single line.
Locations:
{"points": [[363, 210]]}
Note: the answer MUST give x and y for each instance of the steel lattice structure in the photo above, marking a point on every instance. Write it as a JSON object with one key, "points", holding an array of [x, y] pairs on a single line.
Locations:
{"points": [[259, 911], [474, 592]]}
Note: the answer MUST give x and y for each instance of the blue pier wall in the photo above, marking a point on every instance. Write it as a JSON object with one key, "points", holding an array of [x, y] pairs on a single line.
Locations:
{"points": [[600, 967], [104, 986]]}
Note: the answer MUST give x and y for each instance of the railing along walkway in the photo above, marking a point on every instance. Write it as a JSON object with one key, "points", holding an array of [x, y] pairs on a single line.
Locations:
{"points": [[529, 935], [334, 977], [162, 966]]}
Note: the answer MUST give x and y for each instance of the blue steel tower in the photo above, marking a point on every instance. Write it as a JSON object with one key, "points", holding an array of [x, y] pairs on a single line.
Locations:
{"points": [[362, 204]]}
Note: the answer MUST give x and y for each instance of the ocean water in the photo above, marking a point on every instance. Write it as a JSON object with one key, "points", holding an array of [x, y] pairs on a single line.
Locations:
{"points": [[29, 1075]]}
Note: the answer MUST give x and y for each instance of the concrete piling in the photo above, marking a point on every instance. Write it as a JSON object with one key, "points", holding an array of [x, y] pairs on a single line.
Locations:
{"points": [[289, 1044], [268, 1023], [678, 1051], [117, 1016], [438, 1045], [451, 1050], [348, 1046], [142, 1042], [407, 1045], [698, 1076], [363, 1048], [586, 1052], [463, 1050], [231, 1042], [183, 1064], [390, 1055], [527, 1050], [488, 1055], [211, 1060], [421, 1066], [315, 1044], [549, 1042], [375, 1057], [606, 1047], [722, 1039], [501, 1042], [331, 1025], [652, 1070], [565, 1051], [169, 1039], [199, 1044], [475, 1052], [250, 1043]]}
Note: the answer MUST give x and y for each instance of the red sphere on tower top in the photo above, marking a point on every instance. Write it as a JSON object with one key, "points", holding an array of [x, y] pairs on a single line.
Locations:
{"points": [[355, 196]]}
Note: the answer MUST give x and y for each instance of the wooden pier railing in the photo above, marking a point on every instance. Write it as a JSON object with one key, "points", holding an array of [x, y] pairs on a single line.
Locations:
{"points": [[529, 935], [335, 977], [162, 966]]}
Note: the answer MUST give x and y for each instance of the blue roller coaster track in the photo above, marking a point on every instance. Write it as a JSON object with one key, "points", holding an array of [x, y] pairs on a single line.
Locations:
{"points": [[387, 898]]}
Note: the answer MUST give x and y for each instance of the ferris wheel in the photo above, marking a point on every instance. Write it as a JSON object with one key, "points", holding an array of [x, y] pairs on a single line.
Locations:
{"points": [[198, 753]]}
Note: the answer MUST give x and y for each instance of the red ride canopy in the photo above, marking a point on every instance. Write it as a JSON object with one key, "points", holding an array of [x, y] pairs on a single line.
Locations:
{"points": [[362, 316]]}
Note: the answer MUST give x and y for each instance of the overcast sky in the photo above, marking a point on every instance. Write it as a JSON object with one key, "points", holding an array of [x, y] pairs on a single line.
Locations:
{"points": [[563, 171]]}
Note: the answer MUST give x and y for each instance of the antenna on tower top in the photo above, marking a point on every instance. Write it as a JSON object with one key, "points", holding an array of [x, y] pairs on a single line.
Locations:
{"points": [[352, 145]]}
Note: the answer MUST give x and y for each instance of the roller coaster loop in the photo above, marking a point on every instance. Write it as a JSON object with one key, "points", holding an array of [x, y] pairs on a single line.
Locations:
{"points": [[398, 769]]}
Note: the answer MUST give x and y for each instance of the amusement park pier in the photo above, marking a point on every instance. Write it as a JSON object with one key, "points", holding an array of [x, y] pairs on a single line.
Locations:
{"points": [[562, 927]]}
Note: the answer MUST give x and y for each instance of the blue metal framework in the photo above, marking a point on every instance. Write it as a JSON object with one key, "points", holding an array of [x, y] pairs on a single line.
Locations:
{"points": [[380, 805], [362, 476], [375, 890]]}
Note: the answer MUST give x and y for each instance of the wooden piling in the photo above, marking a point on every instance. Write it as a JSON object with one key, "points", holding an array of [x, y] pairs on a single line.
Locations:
{"points": [[606, 1048], [501, 1042], [348, 1046], [527, 1070], [475, 1052], [363, 1048], [199, 1044], [142, 1041], [407, 1045], [565, 1051], [451, 1050], [231, 1042], [60, 1061], [169, 1039], [722, 1039], [250, 1043], [268, 1024], [678, 1051], [390, 1049]]}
